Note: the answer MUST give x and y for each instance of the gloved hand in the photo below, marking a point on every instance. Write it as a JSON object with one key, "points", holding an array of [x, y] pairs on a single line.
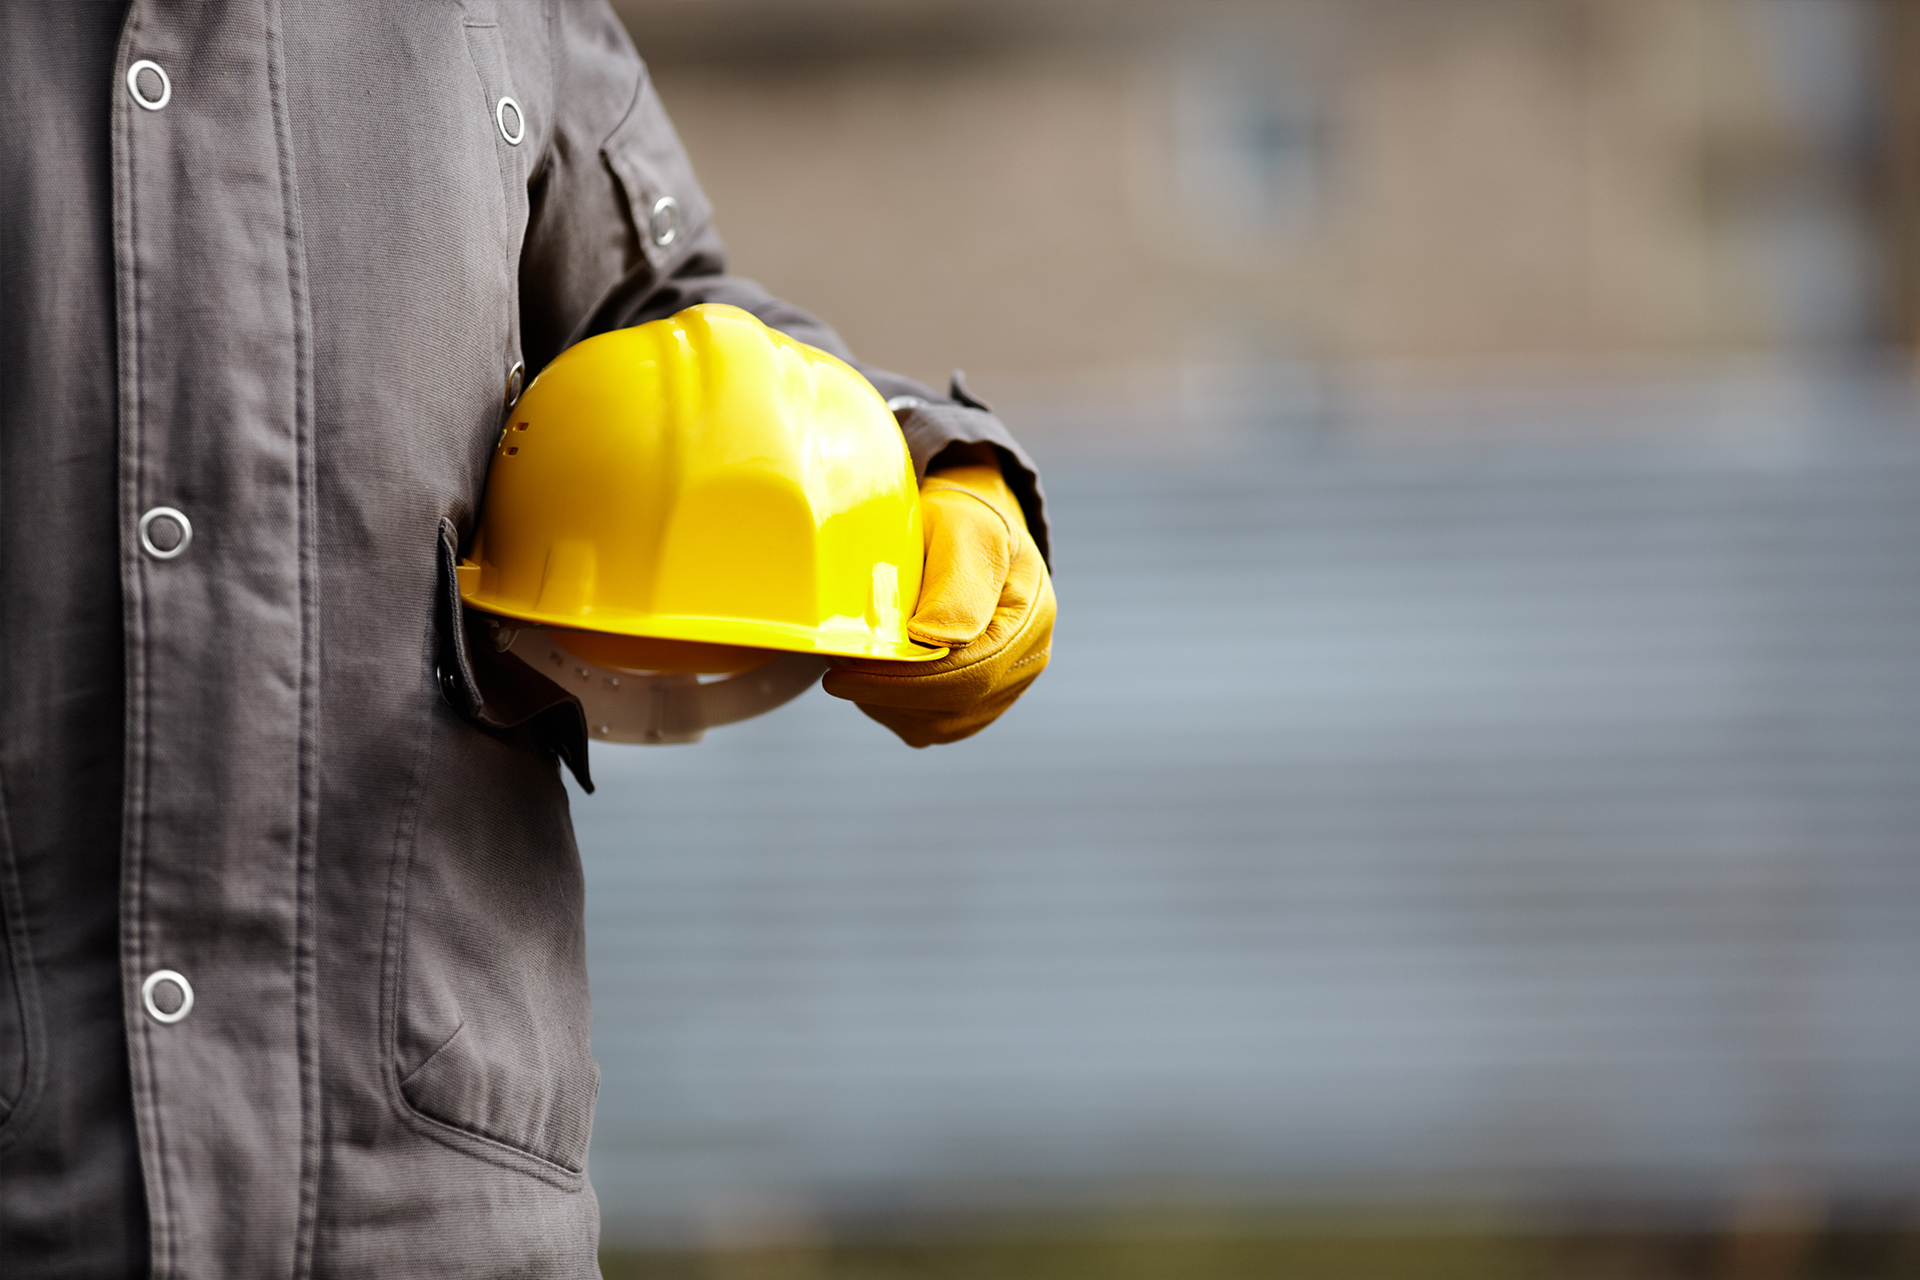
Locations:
{"points": [[985, 594]]}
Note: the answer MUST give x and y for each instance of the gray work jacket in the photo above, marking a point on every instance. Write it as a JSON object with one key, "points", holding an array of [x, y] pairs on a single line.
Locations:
{"points": [[269, 272]]}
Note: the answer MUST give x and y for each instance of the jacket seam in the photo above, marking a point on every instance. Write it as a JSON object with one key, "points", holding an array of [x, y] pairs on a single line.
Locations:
{"points": [[505, 162], [306, 960], [633, 105], [405, 832], [26, 987], [491, 1150], [634, 201], [551, 17], [422, 1065]]}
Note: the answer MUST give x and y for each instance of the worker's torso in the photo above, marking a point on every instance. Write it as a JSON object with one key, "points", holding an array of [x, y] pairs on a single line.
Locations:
{"points": [[267, 297]]}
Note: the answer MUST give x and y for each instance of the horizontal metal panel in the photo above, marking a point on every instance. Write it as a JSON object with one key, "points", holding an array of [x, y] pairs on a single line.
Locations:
{"points": [[1539, 820]]}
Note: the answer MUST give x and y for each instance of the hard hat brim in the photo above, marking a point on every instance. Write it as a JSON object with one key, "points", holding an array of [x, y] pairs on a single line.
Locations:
{"points": [[785, 637]]}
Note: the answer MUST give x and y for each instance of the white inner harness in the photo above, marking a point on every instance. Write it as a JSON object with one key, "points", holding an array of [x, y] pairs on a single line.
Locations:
{"points": [[657, 709]]}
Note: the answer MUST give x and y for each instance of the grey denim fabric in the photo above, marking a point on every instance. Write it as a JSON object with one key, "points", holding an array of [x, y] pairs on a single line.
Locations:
{"points": [[286, 303]]}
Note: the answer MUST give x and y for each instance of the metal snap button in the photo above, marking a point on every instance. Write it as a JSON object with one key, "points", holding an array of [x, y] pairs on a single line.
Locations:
{"points": [[160, 73], [449, 689], [663, 223], [172, 987], [165, 533], [516, 132], [516, 383]]}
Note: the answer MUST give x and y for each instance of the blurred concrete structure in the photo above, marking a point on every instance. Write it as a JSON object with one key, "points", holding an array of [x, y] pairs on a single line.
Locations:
{"points": [[1120, 213], [1526, 822]]}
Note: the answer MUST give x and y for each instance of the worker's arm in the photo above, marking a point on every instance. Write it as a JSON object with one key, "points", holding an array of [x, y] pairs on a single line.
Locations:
{"points": [[620, 233]]}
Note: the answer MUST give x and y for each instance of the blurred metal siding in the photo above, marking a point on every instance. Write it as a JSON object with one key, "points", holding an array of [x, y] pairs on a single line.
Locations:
{"points": [[1530, 823]]}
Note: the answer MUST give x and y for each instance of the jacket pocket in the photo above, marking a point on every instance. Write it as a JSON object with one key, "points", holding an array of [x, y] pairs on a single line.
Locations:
{"points": [[491, 1032], [666, 208]]}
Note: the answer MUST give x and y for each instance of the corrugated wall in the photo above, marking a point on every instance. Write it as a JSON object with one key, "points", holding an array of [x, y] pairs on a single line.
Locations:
{"points": [[1532, 823]]}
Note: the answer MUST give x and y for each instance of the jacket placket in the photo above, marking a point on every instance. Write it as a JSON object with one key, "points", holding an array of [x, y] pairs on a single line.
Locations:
{"points": [[215, 432]]}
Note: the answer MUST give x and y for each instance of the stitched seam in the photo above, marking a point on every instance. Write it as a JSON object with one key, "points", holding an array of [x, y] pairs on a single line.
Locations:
{"points": [[947, 486], [1026, 625], [1041, 656], [505, 159], [437, 1050], [469, 1129], [306, 959], [137, 785], [404, 840], [648, 184], [494, 1151], [26, 989], [540, 162]]}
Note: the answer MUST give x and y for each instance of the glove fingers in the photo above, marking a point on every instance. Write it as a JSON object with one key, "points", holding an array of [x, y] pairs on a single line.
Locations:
{"points": [[1013, 651], [921, 728], [969, 552], [936, 692], [1019, 596], [985, 594]]}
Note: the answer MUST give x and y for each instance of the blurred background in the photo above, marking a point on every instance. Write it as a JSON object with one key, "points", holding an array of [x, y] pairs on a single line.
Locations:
{"points": [[1471, 825]]}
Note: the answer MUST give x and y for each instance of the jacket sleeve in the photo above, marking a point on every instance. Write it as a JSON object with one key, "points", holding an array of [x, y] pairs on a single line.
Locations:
{"points": [[620, 233]]}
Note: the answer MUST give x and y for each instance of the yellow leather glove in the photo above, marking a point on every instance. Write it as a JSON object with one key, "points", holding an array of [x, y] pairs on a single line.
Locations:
{"points": [[985, 594]]}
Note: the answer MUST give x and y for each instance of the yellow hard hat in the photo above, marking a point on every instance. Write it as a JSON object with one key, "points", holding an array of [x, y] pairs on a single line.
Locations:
{"points": [[695, 482]]}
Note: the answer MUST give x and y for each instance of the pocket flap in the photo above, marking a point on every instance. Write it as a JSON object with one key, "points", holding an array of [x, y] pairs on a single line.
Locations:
{"points": [[667, 208]]}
